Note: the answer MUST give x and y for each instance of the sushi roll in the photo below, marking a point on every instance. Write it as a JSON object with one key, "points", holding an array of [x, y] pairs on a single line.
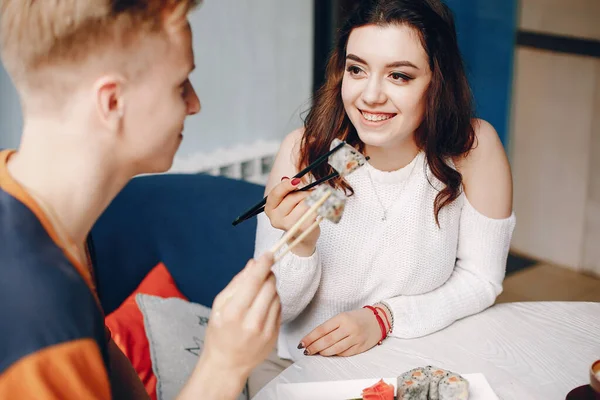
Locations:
{"points": [[346, 160], [333, 208], [453, 387], [413, 385], [435, 375]]}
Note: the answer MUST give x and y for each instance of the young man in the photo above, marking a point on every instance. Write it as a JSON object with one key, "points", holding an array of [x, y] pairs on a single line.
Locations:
{"points": [[105, 91]]}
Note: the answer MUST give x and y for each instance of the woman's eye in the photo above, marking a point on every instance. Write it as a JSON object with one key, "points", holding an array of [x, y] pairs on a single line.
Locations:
{"points": [[397, 76], [354, 70]]}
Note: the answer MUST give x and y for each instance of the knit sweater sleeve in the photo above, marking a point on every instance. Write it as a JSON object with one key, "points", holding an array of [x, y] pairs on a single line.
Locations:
{"points": [[476, 281], [297, 277]]}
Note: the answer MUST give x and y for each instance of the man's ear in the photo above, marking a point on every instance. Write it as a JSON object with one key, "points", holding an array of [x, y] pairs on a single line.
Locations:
{"points": [[176, 16], [110, 101], [177, 12]]}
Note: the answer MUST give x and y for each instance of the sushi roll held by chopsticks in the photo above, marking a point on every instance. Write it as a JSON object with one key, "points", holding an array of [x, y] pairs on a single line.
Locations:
{"points": [[327, 203], [343, 158]]}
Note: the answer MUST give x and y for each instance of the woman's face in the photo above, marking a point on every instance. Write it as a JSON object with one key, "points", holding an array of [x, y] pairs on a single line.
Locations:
{"points": [[384, 85]]}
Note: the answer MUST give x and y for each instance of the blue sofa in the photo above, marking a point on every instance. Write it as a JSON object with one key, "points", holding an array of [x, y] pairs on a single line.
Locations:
{"points": [[183, 221]]}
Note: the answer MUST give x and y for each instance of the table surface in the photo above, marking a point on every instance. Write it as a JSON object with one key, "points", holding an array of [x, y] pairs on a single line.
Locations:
{"points": [[533, 350]]}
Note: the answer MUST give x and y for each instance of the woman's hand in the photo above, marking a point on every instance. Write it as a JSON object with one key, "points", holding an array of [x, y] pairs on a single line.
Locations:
{"points": [[285, 208], [346, 334]]}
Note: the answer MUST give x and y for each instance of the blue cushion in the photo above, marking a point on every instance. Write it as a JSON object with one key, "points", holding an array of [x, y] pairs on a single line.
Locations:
{"points": [[181, 220]]}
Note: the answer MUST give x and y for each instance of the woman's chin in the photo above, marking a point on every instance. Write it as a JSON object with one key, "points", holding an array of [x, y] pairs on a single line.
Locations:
{"points": [[384, 138], [375, 139]]}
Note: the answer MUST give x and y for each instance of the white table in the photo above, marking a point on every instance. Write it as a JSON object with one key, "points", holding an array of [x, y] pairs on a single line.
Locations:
{"points": [[537, 350]]}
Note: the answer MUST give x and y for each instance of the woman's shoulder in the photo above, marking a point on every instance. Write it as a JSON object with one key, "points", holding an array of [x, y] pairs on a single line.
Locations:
{"points": [[487, 178], [291, 143], [286, 160], [291, 146], [486, 143]]}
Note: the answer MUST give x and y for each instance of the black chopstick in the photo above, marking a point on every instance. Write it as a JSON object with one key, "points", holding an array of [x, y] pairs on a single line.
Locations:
{"points": [[305, 188], [329, 177], [318, 182], [260, 209], [250, 212], [319, 160]]}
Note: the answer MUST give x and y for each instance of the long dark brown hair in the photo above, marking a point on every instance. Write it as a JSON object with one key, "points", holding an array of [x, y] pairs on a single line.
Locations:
{"points": [[446, 131]]}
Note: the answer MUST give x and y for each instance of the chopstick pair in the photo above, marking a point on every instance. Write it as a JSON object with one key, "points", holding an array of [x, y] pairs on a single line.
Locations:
{"points": [[303, 189], [258, 208], [294, 229]]}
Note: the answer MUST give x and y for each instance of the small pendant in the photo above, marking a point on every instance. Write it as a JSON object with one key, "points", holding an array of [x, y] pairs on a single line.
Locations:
{"points": [[384, 218]]}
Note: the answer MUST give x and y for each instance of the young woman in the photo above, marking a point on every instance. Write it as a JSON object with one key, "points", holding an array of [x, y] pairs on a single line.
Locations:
{"points": [[428, 221]]}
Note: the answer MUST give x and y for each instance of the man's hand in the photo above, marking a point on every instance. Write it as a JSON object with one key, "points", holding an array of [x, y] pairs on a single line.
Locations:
{"points": [[241, 333]]}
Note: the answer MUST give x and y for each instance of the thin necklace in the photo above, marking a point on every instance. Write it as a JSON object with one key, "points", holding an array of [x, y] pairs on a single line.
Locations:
{"points": [[386, 209]]}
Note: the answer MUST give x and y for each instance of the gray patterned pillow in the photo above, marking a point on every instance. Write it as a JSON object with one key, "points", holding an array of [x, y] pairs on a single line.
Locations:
{"points": [[175, 329]]}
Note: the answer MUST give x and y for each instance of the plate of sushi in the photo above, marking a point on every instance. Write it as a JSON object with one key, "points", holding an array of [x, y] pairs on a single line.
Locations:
{"points": [[423, 383]]}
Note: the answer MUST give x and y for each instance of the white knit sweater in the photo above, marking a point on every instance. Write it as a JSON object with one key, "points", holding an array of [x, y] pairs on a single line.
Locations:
{"points": [[429, 276]]}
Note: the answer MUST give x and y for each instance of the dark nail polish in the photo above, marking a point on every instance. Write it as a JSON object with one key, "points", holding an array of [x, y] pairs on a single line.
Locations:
{"points": [[305, 352], [296, 182], [283, 178], [301, 345]]}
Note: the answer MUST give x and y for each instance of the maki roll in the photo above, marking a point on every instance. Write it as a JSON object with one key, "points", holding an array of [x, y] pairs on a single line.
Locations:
{"points": [[453, 387], [333, 208], [413, 385], [346, 160], [435, 376]]}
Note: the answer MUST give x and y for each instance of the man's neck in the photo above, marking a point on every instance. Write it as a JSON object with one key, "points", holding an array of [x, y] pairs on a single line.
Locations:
{"points": [[74, 178]]}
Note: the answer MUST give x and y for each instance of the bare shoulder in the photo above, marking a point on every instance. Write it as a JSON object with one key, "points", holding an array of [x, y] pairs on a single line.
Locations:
{"points": [[286, 161], [487, 177], [291, 143]]}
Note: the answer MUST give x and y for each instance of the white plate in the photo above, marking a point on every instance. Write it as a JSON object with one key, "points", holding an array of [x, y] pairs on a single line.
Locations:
{"points": [[479, 389]]}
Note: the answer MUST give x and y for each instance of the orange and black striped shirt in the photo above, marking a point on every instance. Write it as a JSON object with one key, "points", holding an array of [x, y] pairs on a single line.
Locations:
{"points": [[53, 343]]}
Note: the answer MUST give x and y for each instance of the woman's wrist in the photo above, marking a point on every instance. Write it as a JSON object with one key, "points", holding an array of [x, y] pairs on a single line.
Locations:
{"points": [[304, 249], [387, 314], [382, 326]]}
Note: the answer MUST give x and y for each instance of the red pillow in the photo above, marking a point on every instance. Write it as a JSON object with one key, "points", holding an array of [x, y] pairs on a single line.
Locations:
{"points": [[126, 324]]}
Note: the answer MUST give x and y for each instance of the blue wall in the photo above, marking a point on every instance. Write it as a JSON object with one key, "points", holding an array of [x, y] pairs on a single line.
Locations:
{"points": [[486, 34]]}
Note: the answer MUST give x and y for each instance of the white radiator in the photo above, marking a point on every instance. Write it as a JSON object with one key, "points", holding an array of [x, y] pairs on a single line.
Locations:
{"points": [[250, 163]]}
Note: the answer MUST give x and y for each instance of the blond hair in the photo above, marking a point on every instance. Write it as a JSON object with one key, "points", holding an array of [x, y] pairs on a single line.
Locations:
{"points": [[35, 34]]}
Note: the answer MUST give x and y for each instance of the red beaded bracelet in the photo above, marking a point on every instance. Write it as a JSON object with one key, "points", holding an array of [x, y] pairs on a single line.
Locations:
{"points": [[386, 319], [381, 324]]}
